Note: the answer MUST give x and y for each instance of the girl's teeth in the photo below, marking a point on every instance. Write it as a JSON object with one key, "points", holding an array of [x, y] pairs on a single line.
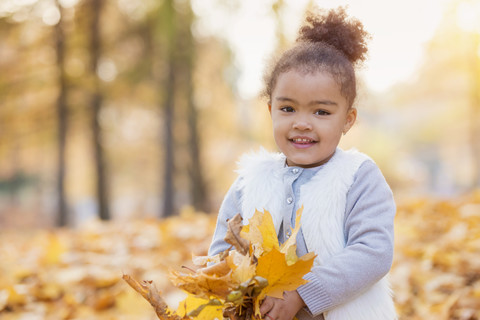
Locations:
{"points": [[302, 140]]}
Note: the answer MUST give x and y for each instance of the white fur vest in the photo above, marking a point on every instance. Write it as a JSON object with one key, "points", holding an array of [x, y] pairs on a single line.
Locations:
{"points": [[324, 201]]}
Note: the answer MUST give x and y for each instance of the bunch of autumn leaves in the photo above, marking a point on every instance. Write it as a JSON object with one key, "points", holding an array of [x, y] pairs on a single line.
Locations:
{"points": [[239, 278]]}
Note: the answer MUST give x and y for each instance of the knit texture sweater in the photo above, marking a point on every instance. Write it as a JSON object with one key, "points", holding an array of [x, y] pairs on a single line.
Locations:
{"points": [[367, 227]]}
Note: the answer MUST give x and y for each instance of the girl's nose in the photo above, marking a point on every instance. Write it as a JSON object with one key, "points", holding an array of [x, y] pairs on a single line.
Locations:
{"points": [[301, 123]]}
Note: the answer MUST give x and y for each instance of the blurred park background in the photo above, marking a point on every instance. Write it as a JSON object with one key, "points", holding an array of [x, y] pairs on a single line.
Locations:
{"points": [[119, 108], [128, 110]]}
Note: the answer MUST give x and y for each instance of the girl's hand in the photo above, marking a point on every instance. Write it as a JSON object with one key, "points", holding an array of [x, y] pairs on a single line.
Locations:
{"points": [[282, 309]]}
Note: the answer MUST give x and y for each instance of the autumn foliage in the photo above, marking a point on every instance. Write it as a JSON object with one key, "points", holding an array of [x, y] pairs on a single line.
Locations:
{"points": [[77, 273], [236, 283], [436, 271]]}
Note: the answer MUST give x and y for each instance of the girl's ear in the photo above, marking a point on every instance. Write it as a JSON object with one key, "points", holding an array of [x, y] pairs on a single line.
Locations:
{"points": [[351, 118], [270, 108]]}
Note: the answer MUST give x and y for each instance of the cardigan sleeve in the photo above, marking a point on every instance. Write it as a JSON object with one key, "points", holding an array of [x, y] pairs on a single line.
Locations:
{"points": [[231, 205], [368, 254]]}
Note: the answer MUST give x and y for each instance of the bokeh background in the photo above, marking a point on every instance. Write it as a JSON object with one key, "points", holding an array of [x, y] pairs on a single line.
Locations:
{"points": [[124, 110], [119, 108]]}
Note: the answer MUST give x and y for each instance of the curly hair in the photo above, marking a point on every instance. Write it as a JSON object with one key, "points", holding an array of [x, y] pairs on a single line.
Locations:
{"points": [[328, 42]]}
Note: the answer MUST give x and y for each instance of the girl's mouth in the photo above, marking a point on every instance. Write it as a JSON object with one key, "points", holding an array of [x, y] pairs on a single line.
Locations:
{"points": [[302, 142]]}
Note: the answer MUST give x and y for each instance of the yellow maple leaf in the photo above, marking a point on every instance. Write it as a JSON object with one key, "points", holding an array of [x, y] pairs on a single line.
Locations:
{"points": [[261, 233], [202, 309], [281, 276]]}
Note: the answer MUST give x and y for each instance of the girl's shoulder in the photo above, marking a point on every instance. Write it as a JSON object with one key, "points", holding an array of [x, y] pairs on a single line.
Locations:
{"points": [[345, 163], [370, 182], [367, 169]]}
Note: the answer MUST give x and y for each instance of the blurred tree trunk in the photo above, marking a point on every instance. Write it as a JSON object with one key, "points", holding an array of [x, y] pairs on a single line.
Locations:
{"points": [[96, 103], [198, 188], [61, 120], [169, 167], [168, 111]]}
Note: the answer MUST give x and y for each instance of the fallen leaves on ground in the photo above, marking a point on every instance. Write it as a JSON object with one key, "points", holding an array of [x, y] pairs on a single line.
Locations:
{"points": [[76, 273], [436, 270]]}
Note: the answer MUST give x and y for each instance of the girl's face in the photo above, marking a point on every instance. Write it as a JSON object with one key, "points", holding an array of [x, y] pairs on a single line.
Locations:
{"points": [[309, 115]]}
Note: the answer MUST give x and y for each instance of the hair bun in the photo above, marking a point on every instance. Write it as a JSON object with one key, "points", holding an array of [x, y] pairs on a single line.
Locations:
{"points": [[336, 29]]}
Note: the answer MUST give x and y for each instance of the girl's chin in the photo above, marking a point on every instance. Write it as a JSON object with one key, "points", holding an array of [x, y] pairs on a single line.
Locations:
{"points": [[306, 162]]}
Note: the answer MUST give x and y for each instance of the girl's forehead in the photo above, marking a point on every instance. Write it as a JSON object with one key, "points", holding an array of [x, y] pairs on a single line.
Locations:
{"points": [[293, 78], [307, 73], [307, 86]]}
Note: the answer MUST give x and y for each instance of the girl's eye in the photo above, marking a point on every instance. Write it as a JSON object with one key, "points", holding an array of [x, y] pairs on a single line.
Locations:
{"points": [[322, 113], [287, 109]]}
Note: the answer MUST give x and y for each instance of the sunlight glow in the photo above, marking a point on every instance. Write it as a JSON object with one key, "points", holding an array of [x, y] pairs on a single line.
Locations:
{"points": [[468, 16], [68, 3], [11, 6], [51, 16], [399, 31], [107, 70]]}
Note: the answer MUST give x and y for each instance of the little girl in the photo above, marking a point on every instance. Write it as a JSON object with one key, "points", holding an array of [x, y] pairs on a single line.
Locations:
{"points": [[348, 207]]}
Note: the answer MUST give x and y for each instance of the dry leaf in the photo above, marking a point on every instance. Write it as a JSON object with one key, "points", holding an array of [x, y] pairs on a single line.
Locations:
{"points": [[203, 285], [219, 269], [233, 235], [151, 294]]}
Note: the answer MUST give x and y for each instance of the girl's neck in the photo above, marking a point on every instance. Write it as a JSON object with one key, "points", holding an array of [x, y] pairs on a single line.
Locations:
{"points": [[312, 165]]}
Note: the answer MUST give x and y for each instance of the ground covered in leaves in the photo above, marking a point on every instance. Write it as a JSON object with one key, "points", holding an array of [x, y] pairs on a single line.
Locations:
{"points": [[77, 273]]}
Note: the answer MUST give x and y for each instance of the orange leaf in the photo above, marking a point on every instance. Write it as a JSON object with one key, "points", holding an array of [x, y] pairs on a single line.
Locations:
{"points": [[281, 276]]}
